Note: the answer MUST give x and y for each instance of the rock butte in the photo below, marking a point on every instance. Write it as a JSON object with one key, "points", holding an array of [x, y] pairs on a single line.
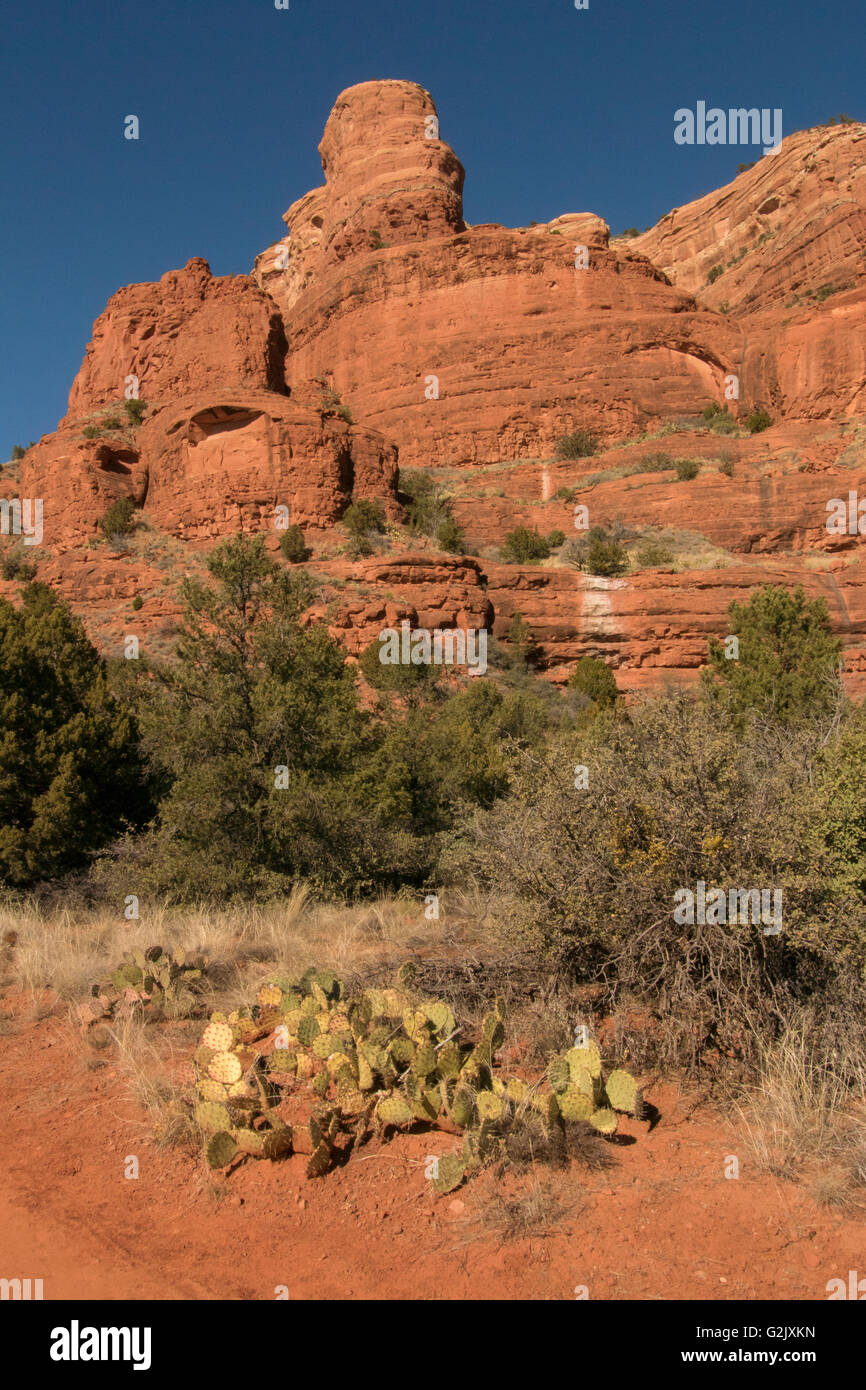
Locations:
{"points": [[379, 287]]}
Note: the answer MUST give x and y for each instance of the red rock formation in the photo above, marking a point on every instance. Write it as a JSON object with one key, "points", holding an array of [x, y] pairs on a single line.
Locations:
{"points": [[207, 466], [789, 237], [787, 226], [190, 332], [380, 293], [479, 344]]}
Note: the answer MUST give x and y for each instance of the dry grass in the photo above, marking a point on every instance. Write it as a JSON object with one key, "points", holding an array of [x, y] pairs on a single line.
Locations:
{"points": [[808, 1123], [66, 950], [538, 1210], [150, 1065]]}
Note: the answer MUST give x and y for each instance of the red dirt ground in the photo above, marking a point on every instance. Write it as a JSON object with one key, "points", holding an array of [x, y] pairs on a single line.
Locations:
{"points": [[664, 1223]]}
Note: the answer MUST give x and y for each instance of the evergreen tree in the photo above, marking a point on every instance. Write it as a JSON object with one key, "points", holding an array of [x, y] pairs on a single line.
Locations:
{"points": [[788, 663], [70, 773]]}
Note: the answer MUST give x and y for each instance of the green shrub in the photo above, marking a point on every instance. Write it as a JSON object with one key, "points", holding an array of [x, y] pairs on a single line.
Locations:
{"points": [[758, 421], [293, 547], [714, 274], [597, 552], [566, 494], [712, 410], [680, 794], [331, 403], [686, 469], [17, 452], [726, 466], [788, 663], [655, 463], [359, 547], [135, 410], [428, 510], [364, 517], [119, 519], [653, 555], [393, 676], [630, 232], [556, 539], [450, 536], [137, 603], [724, 424], [524, 546], [14, 566], [581, 444], [594, 679], [606, 557], [521, 640], [92, 431]]}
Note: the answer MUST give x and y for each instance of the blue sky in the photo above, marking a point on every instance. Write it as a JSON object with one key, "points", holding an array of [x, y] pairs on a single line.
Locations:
{"points": [[550, 109]]}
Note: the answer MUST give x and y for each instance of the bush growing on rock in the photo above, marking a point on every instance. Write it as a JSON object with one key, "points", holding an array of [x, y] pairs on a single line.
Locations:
{"points": [[119, 519], [597, 552], [594, 679], [524, 545], [580, 444], [758, 421], [293, 547]]}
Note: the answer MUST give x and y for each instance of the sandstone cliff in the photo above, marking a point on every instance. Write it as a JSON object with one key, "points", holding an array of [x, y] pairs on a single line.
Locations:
{"points": [[382, 326]]}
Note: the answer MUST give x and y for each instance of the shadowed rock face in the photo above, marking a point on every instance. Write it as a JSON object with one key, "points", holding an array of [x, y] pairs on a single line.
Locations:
{"points": [[476, 349]]}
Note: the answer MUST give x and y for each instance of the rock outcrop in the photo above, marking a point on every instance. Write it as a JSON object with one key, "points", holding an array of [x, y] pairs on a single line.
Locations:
{"points": [[782, 249], [473, 345], [190, 332], [383, 322]]}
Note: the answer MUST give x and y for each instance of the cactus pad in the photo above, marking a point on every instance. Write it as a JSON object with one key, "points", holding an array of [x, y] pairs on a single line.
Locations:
{"points": [[221, 1150], [225, 1067], [212, 1090], [574, 1105], [622, 1092], [211, 1116], [394, 1111], [451, 1172], [588, 1058], [489, 1106], [219, 1037], [604, 1121]]}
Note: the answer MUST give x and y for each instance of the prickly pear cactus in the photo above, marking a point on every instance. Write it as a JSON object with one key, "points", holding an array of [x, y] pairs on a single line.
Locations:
{"points": [[153, 983], [384, 1060]]}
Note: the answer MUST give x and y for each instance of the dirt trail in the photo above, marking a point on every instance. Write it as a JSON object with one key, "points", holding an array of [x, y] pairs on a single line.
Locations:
{"points": [[664, 1223]]}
